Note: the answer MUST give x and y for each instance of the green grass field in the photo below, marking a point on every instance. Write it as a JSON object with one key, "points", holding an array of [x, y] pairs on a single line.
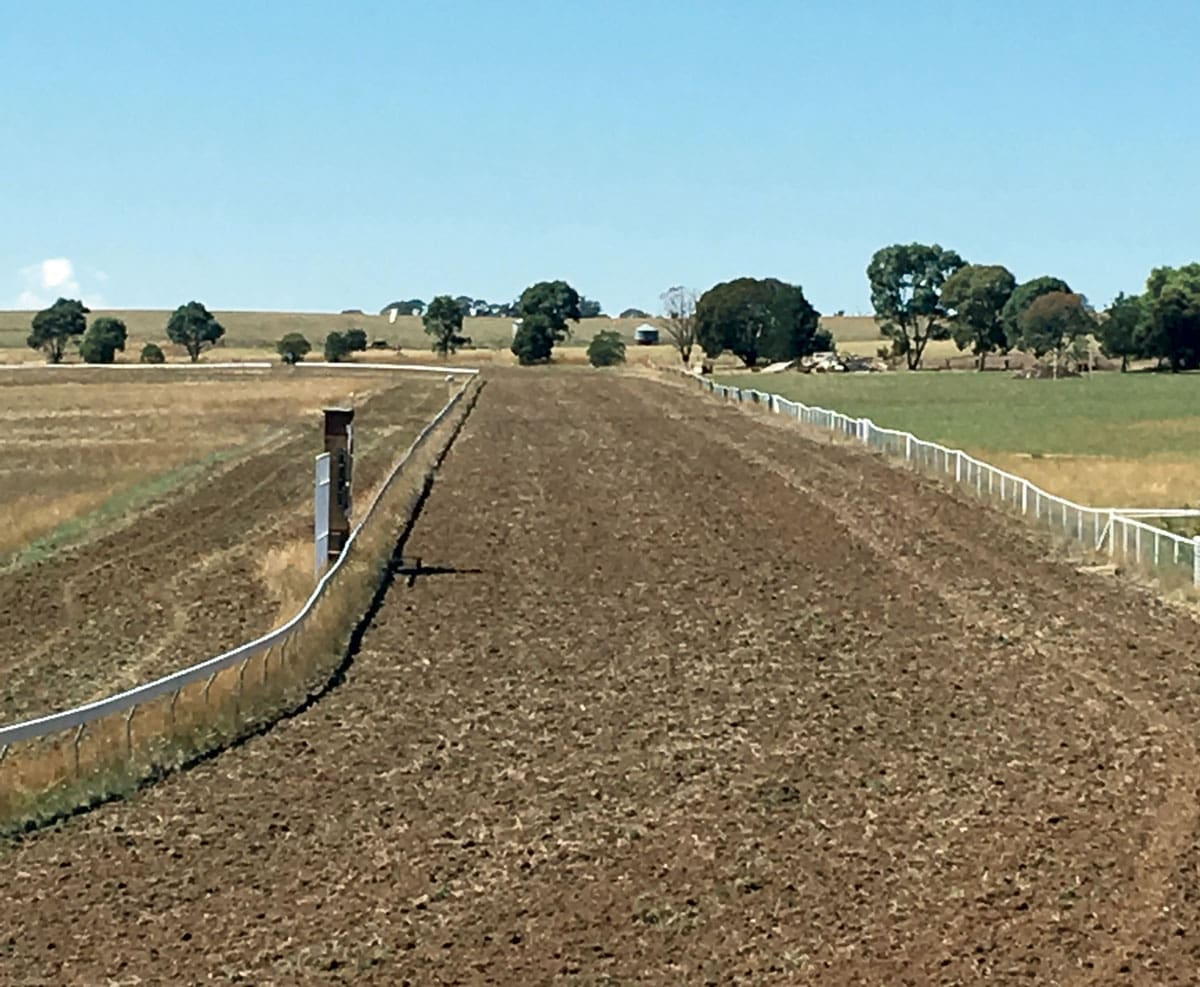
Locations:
{"points": [[1110, 440]]}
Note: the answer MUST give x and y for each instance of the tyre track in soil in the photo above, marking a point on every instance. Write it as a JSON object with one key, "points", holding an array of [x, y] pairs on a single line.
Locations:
{"points": [[693, 708]]}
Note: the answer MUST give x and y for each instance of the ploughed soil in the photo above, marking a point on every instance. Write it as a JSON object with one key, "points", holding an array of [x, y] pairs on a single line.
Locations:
{"points": [[191, 575], [682, 697]]}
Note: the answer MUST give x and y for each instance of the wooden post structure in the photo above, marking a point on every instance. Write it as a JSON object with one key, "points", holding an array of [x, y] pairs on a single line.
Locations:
{"points": [[339, 443]]}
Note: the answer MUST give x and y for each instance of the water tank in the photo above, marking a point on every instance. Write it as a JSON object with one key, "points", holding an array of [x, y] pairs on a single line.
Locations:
{"points": [[645, 335]]}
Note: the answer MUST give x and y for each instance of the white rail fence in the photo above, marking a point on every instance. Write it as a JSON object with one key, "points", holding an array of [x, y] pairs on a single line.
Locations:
{"points": [[74, 722], [1117, 532], [63, 368]]}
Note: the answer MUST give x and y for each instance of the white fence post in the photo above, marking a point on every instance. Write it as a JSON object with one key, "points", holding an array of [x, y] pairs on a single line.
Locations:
{"points": [[1112, 534], [958, 466]]}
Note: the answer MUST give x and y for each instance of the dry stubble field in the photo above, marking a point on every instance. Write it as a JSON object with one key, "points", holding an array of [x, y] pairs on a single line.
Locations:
{"points": [[152, 521], [682, 703]]}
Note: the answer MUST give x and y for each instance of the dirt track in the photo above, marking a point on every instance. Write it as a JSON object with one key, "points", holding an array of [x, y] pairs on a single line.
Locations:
{"points": [[692, 708]]}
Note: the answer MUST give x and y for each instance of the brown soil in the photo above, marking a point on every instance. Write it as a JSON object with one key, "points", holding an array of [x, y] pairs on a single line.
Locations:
{"points": [[182, 581], [688, 707]]}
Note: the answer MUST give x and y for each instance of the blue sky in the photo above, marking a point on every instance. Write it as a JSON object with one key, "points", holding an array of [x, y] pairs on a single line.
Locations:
{"points": [[327, 156]]}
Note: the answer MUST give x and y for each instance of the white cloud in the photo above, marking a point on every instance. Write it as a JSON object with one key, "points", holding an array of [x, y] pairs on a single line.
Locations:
{"points": [[53, 278], [57, 272]]}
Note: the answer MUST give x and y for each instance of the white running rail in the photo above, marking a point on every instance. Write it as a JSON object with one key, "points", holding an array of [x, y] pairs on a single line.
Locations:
{"points": [[421, 368], [125, 702], [1114, 530]]}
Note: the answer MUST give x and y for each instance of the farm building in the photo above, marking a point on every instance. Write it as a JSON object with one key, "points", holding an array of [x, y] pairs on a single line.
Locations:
{"points": [[645, 334]]}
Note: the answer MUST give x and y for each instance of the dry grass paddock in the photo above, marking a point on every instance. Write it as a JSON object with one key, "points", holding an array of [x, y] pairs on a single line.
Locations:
{"points": [[76, 444]]}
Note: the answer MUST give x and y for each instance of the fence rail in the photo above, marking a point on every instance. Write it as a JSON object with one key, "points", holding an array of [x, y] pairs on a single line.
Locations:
{"points": [[79, 717], [1118, 532], [424, 368]]}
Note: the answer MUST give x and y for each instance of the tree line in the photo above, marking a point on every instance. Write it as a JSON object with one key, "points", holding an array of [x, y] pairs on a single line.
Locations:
{"points": [[543, 316], [921, 292], [751, 318], [53, 330], [470, 307], [443, 321]]}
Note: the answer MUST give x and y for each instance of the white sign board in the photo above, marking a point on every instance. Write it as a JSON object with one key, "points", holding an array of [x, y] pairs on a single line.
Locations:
{"points": [[321, 513]]}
